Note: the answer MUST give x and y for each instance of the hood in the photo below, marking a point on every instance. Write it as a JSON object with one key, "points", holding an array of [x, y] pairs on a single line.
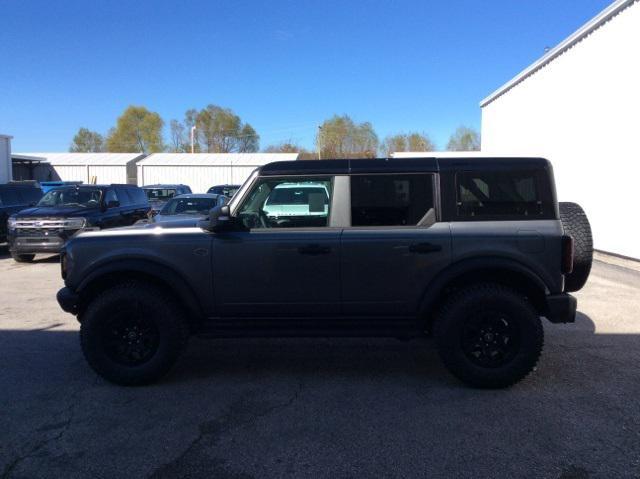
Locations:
{"points": [[55, 212]]}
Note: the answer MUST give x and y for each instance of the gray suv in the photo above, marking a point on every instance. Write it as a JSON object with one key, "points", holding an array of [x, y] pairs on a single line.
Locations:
{"points": [[470, 250]]}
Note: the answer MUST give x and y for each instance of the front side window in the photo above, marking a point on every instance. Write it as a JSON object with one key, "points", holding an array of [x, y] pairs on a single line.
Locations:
{"points": [[83, 197], [498, 193], [392, 200], [287, 203]]}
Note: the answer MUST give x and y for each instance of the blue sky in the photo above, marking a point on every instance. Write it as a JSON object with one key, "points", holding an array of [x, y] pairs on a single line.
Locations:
{"points": [[283, 66]]}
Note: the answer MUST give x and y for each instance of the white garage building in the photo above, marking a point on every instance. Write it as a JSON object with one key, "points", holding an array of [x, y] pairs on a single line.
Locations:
{"points": [[101, 168], [579, 106], [201, 171]]}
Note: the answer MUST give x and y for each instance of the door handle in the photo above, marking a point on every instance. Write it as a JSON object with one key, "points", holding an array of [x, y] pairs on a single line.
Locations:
{"points": [[314, 249], [424, 248]]}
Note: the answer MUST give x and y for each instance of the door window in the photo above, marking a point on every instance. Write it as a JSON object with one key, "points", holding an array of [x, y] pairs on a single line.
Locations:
{"points": [[110, 196], [292, 202], [392, 200]]}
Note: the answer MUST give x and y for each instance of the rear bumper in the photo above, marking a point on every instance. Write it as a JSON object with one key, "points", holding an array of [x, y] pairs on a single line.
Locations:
{"points": [[68, 300], [561, 308]]}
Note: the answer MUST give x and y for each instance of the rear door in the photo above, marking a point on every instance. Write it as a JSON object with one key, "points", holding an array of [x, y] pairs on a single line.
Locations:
{"points": [[394, 246], [127, 206]]}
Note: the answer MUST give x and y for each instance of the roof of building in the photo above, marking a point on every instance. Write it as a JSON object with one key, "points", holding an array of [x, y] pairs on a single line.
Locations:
{"points": [[576, 37], [5, 136], [216, 159], [100, 159]]}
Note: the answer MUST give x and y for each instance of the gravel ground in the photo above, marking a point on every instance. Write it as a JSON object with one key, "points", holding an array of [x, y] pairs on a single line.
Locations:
{"points": [[318, 408]]}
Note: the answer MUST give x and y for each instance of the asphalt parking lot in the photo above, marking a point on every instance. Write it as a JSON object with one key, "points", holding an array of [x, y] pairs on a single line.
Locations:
{"points": [[318, 408]]}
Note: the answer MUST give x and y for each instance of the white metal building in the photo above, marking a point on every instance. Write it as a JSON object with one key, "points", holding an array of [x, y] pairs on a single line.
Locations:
{"points": [[103, 168], [579, 106], [5, 158], [201, 171]]}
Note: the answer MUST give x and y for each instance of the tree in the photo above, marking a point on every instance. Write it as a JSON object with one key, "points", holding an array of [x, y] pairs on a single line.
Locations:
{"points": [[464, 139], [407, 142], [248, 140], [220, 130], [137, 129], [179, 143], [288, 146], [341, 137], [87, 141]]}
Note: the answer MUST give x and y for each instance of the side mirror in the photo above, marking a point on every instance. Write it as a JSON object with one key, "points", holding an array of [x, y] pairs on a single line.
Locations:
{"points": [[219, 218]]}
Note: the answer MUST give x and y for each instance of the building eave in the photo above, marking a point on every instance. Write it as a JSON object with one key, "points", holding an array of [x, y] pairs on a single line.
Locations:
{"points": [[596, 22]]}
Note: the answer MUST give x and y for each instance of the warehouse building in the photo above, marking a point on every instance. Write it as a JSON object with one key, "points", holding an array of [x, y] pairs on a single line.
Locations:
{"points": [[579, 106], [99, 168], [201, 171]]}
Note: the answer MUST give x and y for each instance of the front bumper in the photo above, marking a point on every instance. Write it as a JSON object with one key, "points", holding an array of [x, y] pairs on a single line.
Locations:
{"points": [[561, 308], [68, 300], [38, 242]]}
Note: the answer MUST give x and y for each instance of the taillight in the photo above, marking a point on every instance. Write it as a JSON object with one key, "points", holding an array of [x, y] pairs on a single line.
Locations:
{"points": [[567, 254]]}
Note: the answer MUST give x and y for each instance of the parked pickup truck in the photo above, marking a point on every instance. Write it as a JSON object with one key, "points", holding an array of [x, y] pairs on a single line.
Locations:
{"points": [[474, 251]]}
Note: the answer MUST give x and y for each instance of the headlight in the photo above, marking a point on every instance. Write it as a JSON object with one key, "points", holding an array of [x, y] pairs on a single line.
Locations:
{"points": [[11, 223], [75, 223]]}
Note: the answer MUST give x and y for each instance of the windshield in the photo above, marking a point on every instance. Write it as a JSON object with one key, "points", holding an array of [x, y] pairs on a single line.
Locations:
{"points": [[85, 197], [188, 206], [160, 194]]}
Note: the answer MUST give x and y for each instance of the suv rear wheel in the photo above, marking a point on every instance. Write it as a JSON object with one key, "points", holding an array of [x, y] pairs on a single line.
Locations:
{"points": [[132, 334], [488, 336]]}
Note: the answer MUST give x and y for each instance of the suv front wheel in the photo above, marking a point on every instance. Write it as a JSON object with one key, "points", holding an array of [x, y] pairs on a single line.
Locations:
{"points": [[488, 335], [133, 333]]}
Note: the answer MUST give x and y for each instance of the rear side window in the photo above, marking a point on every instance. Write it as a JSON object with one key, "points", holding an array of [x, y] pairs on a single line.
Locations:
{"points": [[499, 194], [392, 200], [138, 195], [123, 195]]}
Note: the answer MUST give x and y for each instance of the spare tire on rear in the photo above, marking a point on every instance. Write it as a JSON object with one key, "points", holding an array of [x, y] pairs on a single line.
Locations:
{"points": [[575, 223]]}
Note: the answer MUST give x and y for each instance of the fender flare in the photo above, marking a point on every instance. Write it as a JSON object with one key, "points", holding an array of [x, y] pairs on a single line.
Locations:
{"points": [[463, 267], [162, 273]]}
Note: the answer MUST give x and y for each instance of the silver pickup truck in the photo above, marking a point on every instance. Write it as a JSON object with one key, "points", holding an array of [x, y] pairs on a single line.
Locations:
{"points": [[474, 251]]}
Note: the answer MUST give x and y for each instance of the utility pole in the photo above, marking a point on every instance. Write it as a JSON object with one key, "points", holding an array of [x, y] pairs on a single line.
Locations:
{"points": [[193, 135], [319, 142]]}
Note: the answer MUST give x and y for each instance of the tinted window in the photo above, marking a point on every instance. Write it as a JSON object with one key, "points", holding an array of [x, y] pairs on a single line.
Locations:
{"points": [[287, 203], [110, 196], [125, 198], [138, 196], [498, 193], [392, 200]]}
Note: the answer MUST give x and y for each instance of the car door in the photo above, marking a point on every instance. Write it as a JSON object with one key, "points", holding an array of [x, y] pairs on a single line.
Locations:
{"points": [[110, 217], [394, 246], [127, 206], [279, 267]]}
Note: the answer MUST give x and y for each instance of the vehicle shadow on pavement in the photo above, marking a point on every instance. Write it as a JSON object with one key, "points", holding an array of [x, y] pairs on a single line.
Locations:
{"points": [[563, 358], [4, 254]]}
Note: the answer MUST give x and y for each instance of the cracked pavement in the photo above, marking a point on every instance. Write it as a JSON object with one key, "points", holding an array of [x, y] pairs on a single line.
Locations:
{"points": [[318, 407]]}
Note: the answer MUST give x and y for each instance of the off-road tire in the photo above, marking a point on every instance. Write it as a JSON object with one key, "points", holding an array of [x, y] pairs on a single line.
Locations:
{"points": [[463, 308], [23, 258], [130, 300], [575, 223]]}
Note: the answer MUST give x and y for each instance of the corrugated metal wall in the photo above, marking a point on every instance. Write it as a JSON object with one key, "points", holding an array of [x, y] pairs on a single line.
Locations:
{"points": [[199, 177]]}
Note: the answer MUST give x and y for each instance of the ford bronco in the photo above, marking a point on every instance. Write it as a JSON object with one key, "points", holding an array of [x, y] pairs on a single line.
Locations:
{"points": [[473, 251]]}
